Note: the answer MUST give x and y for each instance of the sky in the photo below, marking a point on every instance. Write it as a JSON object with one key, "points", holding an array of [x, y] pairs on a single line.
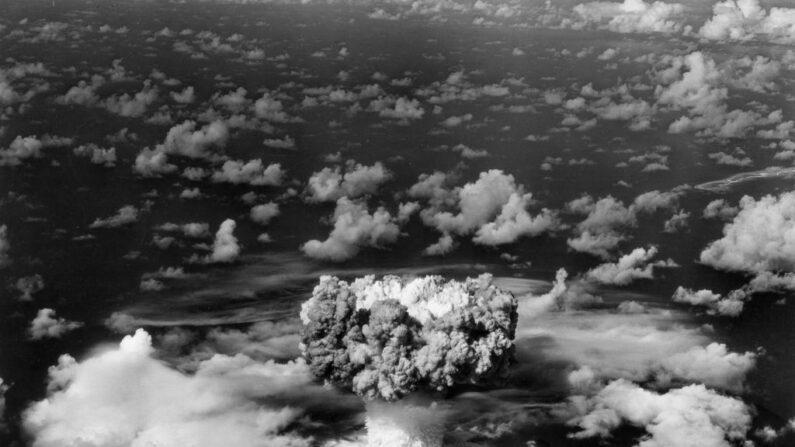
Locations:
{"points": [[183, 182]]}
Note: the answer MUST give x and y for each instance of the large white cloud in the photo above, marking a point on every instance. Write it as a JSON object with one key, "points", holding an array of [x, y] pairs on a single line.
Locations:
{"points": [[692, 416], [494, 208], [695, 83], [760, 238], [354, 227], [713, 365], [125, 398], [633, 16], [514, 221], [746, 20], [48, 325]]}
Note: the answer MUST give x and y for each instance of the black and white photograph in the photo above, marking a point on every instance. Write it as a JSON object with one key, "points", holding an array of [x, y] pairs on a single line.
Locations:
{"points": [[397, 223]]}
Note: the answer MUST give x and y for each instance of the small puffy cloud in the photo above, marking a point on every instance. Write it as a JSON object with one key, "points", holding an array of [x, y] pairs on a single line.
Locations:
{"points": [[125, 216], [262, 214], [152, 163], [692, 416], [225, 246], [5, 247], [280, 143], [403, 109], [151, 285], [98, 155], [187, 141], [726, 159], [731, 305], [124, 396], [252, 173], [354, 227], [650, 202], [132, 105], [455, 121], [628, 268], [676, 223], [469, 153], [759, 239], [633, 16], [444, 245], [186, 96], [355, 180], [48, 325], [23, 148], [196, 230], [597, 244], [720, 209]]}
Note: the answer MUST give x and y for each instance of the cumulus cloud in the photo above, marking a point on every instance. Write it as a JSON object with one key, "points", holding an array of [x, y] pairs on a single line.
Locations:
{"points": [[627, 269], [403, 109], [444, 245], [720, 208], [98, 155], [48, 325], [182, 140], [196, 230], [695, 83], [692, 416], [747, 20], [134, 105], [759, 239], [262, 214], [124, 396], [225, 246], [600, 231], [731, 305], [187, 141], [493, 207], [252, 173], [125, 216], [514, 222], [354, 227], [152, 163], [355, 180], [5, 247], [633, 16], [23, 148], [606, 219], [713, 365]]}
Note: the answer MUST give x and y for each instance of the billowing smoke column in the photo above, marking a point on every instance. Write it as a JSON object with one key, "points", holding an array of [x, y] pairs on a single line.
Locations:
{"points": [[401, 343]]}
